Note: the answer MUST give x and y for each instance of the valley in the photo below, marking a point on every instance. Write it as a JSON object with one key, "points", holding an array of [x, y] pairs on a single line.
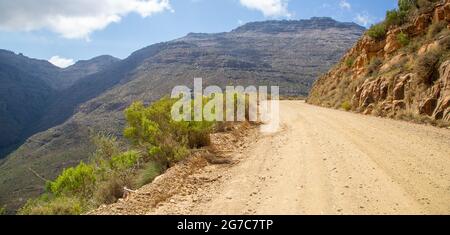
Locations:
{"points": [[289, 54], [364, 114]]}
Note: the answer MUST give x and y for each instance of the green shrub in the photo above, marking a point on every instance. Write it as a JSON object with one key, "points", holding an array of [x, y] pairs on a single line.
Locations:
{"points": [[424, 3], [403, 39], [427, 66], [76, 181], [406, 5], [2, 211], [149, 173], [106, 146], [55, 206], [395, 17], [346, 106], [125, 160], [154, 129], [377, 31], [349, 62]]}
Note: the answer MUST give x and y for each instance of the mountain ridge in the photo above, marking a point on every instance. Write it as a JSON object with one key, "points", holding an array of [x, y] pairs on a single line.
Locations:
{"points": [[95, 103], [292, 25], [29, 87]]}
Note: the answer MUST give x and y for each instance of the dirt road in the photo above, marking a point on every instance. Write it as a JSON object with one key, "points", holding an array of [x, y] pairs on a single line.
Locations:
{"points": [[325, 161]]}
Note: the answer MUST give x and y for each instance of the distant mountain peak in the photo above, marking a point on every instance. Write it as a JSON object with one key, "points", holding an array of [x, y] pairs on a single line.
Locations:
{"points": [[288, 54], [322, 18], [280, 26], [103, 59], [6, 52]]}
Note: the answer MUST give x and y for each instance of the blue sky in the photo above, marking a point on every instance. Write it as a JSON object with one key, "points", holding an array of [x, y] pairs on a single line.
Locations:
{"points": [[80, 29]]}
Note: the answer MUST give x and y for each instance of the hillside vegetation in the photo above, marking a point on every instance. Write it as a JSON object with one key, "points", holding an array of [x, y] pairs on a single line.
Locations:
{"points": [[400, 68], [158, 142], [285, 53]]}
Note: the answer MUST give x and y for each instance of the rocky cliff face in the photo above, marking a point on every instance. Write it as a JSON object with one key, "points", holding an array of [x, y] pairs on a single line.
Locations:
{"points": [[284, 53], [406, 75]]}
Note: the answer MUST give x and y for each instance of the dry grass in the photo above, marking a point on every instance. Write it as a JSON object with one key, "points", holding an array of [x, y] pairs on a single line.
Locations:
{"points": [[111, 190], [148, 174], [56, 206], [427, 66], [435, 29], [374, 66], [410, 116]]}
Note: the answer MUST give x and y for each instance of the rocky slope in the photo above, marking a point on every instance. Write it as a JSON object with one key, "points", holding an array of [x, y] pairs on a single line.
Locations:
{"points": [[28, 87], [285, 53], [406, 75], [23, 96], [83, 68]]}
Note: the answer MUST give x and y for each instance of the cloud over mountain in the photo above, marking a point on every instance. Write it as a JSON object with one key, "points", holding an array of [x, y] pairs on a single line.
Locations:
{"points": [[61, 62], [270, 8], [343, 4]]}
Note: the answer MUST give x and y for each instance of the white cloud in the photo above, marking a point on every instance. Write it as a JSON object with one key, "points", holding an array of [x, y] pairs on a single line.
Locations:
{"points": [[73, 19], [270, 8], [61, 62], [364, 19], [343, 4]]}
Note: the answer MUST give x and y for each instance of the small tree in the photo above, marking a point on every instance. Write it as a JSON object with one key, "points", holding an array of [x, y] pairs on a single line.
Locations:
{"points": [[395, 17], [377, 31], [406, 5], [349, 62], [153, 129], [74, 181], [403, 39], [126, 160]]}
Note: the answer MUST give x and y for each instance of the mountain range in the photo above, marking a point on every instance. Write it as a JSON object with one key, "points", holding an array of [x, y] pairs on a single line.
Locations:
{"points": [[48, 113], [29, 87]]}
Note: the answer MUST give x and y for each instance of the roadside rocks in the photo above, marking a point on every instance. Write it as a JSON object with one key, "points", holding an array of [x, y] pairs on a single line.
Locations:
{"points": [[391, 94], [399, 89], [442, 12], [392, 43], [372, 91], [382, 79], [394, 61], [421, 23], [442, 110], [428, 47]]}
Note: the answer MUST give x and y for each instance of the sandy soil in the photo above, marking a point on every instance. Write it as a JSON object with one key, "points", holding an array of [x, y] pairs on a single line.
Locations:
{"points": [[325, 161]]}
